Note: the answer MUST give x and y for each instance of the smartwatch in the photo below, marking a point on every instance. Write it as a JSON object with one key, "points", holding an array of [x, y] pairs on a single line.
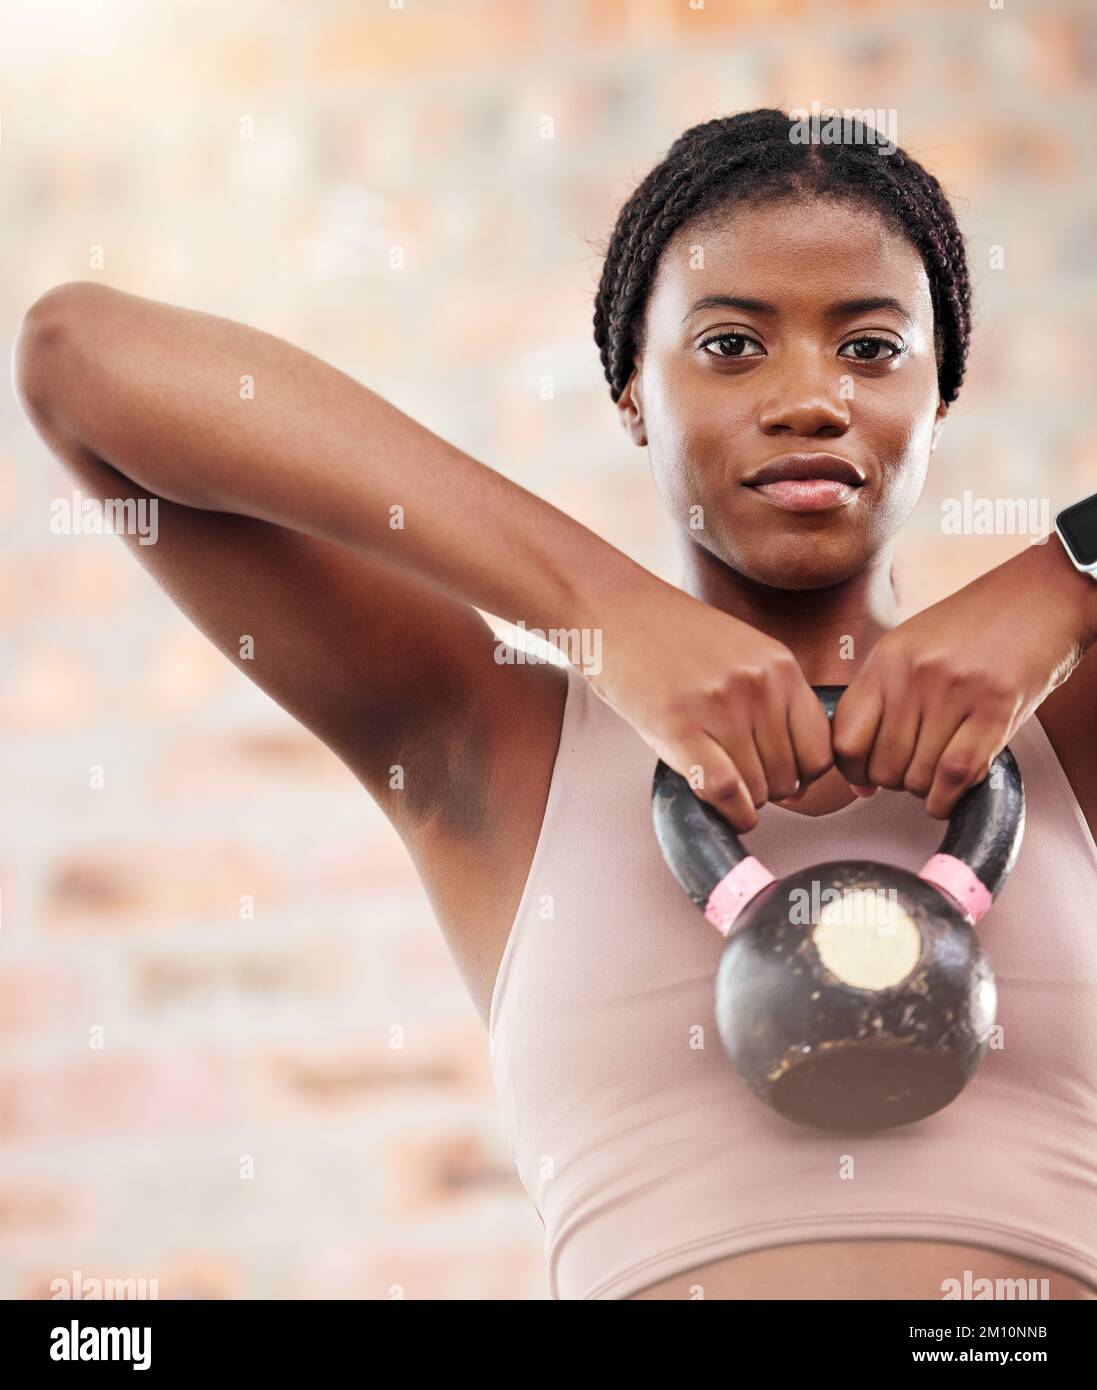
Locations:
{"points": [[1077, 528]]}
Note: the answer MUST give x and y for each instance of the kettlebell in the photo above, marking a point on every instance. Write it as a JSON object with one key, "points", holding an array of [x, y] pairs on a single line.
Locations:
{"points": [[852, 995]]}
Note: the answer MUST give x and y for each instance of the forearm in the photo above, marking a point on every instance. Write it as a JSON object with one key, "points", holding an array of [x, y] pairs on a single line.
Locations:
{"points": [[1046, 569], [217, 415]]}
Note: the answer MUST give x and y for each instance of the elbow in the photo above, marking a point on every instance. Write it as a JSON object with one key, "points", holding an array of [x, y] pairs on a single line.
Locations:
{"points": [[44, 331]]}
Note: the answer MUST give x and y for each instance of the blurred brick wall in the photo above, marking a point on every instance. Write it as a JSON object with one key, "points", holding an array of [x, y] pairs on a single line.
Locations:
{"points": [[224, 1037]]}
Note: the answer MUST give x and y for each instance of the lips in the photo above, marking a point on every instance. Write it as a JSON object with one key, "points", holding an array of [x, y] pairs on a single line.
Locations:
{"points": [[807, 494], [803, 467], [807, 482]]}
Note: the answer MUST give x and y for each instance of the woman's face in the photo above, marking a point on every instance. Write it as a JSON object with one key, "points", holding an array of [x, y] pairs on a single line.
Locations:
{"points": [[789, 373]]}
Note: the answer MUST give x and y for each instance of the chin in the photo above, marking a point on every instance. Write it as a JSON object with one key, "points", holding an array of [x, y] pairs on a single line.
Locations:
{"points": [[798, 574]]}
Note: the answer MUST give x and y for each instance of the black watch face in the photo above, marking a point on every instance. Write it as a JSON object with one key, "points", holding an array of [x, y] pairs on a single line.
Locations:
{"points": [[1079, 527]]}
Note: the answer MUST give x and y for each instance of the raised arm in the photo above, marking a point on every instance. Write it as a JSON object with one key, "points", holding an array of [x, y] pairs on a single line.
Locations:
{"points": [[220, 416], [298, 507], [223, 420]]}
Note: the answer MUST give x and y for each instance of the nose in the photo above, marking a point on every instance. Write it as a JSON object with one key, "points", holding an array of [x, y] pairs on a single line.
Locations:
{"points": [[804, 395]]}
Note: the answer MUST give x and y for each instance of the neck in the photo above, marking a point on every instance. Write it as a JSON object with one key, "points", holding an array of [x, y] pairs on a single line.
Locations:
{"points": [[830, 631]]}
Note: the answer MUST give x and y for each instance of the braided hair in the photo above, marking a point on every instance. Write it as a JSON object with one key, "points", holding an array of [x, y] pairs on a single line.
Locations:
{"points": [[749, 159]]}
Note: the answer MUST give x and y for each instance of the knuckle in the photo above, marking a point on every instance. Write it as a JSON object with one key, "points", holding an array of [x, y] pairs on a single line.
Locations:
{"points": [[678, 710], [815, 766], [999, 693], [928, 664], [960, 680], [986, 680], [750, 680], [725, 788], [844, 746]]}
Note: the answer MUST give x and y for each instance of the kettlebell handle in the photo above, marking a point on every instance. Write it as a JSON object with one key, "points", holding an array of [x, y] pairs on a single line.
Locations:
{"points": [[720, 875]]}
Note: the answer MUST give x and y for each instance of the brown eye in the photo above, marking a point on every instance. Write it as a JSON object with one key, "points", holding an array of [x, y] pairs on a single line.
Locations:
{"points": [[735, 339], [874, 343]]}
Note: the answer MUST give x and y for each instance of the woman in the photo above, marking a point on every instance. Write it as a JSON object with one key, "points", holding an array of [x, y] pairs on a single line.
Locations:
{"points": [[761, 300]]}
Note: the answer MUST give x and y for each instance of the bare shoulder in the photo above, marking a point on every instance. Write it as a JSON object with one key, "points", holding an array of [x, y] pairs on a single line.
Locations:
{"points": [[490, 773], [1069, 718]]}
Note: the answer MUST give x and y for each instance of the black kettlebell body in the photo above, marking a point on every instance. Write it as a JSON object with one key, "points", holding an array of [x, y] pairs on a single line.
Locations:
{"points": [[851, 995]]}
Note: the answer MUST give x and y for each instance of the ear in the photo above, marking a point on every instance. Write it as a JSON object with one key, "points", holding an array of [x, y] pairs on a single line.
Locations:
{"points": [[938, 424], [630, 404]]}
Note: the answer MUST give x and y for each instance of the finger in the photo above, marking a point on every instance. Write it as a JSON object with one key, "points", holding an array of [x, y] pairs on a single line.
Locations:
{"points": [[809, 729], [965, 762], [736, 738], [895, 741], [773, 743], [717, 781], [937, 728], [856, 721]]}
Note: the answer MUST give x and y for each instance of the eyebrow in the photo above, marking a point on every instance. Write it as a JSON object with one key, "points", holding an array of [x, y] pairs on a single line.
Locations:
{"points": [[841, 308]]}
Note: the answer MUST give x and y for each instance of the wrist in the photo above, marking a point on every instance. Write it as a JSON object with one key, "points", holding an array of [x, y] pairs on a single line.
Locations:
{"points": [[618, 605], [1048, 566], [602, 586]]}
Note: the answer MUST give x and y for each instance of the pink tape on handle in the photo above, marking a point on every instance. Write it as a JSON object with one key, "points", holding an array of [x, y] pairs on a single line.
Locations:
{"points": [[734, 891], [954, 877]]}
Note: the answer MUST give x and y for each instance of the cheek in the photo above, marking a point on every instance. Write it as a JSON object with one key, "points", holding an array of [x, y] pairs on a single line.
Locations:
{"points": [[901, 439], [676, 478], [693, 421], [688, 460], [902, 480]]}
